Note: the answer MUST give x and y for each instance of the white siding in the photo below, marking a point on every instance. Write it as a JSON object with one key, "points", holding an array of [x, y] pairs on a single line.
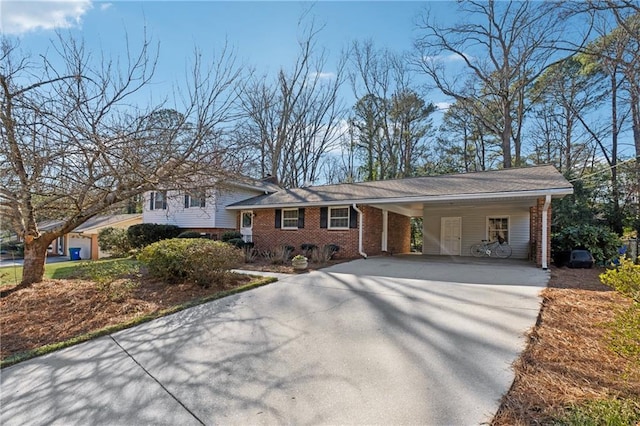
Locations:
{"points": [[474, 226], [213, 215]]}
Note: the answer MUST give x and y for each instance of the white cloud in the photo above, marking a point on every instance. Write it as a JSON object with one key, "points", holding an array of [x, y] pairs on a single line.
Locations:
{"points": [[19, 17], [442, 106], [324, 75], [451, 57], [105, 6]]}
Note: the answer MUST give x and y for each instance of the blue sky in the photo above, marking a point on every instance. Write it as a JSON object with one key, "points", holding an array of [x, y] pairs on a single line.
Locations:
{"points": [[264, 33]]}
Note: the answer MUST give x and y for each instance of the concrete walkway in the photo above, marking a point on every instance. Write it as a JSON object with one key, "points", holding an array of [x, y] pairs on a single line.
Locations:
{"points": [[400, 340]]}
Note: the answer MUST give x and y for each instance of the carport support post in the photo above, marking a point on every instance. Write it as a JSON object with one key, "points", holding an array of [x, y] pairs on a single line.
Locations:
{"points": [[545, 231], [385, 229]]}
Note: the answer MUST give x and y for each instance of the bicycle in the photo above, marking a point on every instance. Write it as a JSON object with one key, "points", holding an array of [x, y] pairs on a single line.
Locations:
{"points": [[499, 248]]}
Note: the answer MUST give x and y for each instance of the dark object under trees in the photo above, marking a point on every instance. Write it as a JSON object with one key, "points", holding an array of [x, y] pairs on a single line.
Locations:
{"points": [[580, 259]]}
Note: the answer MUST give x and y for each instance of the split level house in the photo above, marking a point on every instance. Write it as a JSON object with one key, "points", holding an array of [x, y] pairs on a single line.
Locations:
{"points": [[372, 218]]}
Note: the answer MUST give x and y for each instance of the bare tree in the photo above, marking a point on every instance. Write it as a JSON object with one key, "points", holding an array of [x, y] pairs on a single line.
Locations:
{"points": [[297, 119], [503, 47], [562, 95], [391, 119], [74, 144]]}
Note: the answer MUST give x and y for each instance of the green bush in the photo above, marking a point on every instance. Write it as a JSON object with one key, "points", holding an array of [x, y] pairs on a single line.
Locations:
{"points": [[196, 260], [230, 235], [625, 279], [599, 240], [148, 233], [190, 234], [236, 242], [115, 241]]}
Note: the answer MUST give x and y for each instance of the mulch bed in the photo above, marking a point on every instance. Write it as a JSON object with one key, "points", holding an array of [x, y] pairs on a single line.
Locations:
{"points": [[567, 360], [57, 310]]}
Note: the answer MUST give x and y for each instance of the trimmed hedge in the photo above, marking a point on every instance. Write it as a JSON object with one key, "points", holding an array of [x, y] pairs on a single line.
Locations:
{"points": [[196, 260], [227, 236], [143, 234]]}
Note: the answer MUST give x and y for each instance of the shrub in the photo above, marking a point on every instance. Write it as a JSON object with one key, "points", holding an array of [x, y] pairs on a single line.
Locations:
{"points": [[250, 254], [625, 279], [236, 242], [200, 261], [325, 254], [278, 255], [191, 234], [307, 249], [230, 235], [599, 240], [148, 233], [13, 247], [115, 241]]}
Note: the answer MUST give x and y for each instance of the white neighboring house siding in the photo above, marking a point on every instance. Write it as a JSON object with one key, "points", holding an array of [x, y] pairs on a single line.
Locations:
{"points": [[474, 227], [212, 215], [81, 242]]}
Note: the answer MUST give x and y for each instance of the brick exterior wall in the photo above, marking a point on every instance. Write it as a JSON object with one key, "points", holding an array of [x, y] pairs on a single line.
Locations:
{"points": [[216, 233], [399, 229], [266, 235], [536, 232]]}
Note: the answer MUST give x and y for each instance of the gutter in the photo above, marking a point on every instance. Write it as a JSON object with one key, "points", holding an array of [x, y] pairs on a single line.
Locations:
{"points": [[242, 205], [360, 225], [545, 237]]}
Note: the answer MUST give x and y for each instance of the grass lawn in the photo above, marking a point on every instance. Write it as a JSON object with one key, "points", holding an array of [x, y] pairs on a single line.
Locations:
{"points": [[58, 270]]}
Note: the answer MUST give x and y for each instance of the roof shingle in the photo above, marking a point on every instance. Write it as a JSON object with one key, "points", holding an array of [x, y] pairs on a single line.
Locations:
{"points": [[530, 179]]}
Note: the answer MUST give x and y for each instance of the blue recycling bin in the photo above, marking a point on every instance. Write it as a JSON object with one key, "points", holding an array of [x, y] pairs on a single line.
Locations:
{"points": [[74, 253]]}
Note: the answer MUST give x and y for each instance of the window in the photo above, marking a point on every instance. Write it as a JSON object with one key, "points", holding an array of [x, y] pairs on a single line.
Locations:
{"points": [[289, 218], [158, 200], [338, 217], [498, 227], [247, 220], [194, 199]]}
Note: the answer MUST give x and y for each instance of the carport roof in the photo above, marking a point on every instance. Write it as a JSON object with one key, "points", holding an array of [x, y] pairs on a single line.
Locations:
{"points": [[507, 183]]}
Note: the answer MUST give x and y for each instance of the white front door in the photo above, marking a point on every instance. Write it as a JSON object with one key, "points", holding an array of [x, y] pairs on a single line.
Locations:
{"points": [[451, 236], [246, 225]]}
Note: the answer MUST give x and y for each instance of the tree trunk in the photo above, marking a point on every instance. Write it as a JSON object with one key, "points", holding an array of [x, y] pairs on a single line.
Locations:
{"points": [[506, 136], [35, 255]]}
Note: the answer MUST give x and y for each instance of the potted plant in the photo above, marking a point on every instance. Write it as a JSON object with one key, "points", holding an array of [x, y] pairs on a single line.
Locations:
{"points": [[299, 262]]}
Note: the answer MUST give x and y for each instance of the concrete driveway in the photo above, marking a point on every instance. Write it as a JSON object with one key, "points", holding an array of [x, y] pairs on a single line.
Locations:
{"points": [[389, 340]]}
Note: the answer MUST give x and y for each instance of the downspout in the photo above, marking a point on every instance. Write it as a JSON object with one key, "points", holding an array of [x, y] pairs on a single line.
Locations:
{"points": [[360, 226], [545, 237]]}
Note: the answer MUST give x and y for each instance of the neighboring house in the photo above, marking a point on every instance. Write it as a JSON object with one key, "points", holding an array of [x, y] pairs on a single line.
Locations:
{"points": [[370, 218], [203, 209], [85, 236]]}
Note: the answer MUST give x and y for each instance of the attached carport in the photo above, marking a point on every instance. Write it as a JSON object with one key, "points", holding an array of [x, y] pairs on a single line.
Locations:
{"points": [[451, 225]]}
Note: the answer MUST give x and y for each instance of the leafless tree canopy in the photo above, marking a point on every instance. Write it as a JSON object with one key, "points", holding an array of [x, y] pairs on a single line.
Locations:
{"points": [[74, 142], [295, 120], [512, 44]]}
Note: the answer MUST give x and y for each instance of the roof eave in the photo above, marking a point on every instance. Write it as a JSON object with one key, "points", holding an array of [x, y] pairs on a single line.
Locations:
{"points": [[555, 192]]}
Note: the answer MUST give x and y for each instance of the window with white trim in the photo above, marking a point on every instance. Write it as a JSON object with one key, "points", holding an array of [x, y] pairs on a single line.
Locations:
{"points": [[158, 200], [497, 228], [194, 199], [289, 218], [338, 217]]}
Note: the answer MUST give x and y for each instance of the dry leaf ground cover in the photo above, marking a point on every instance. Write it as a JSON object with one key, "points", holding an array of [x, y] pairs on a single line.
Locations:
{"points": [[103, 298], [569, 361]]}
